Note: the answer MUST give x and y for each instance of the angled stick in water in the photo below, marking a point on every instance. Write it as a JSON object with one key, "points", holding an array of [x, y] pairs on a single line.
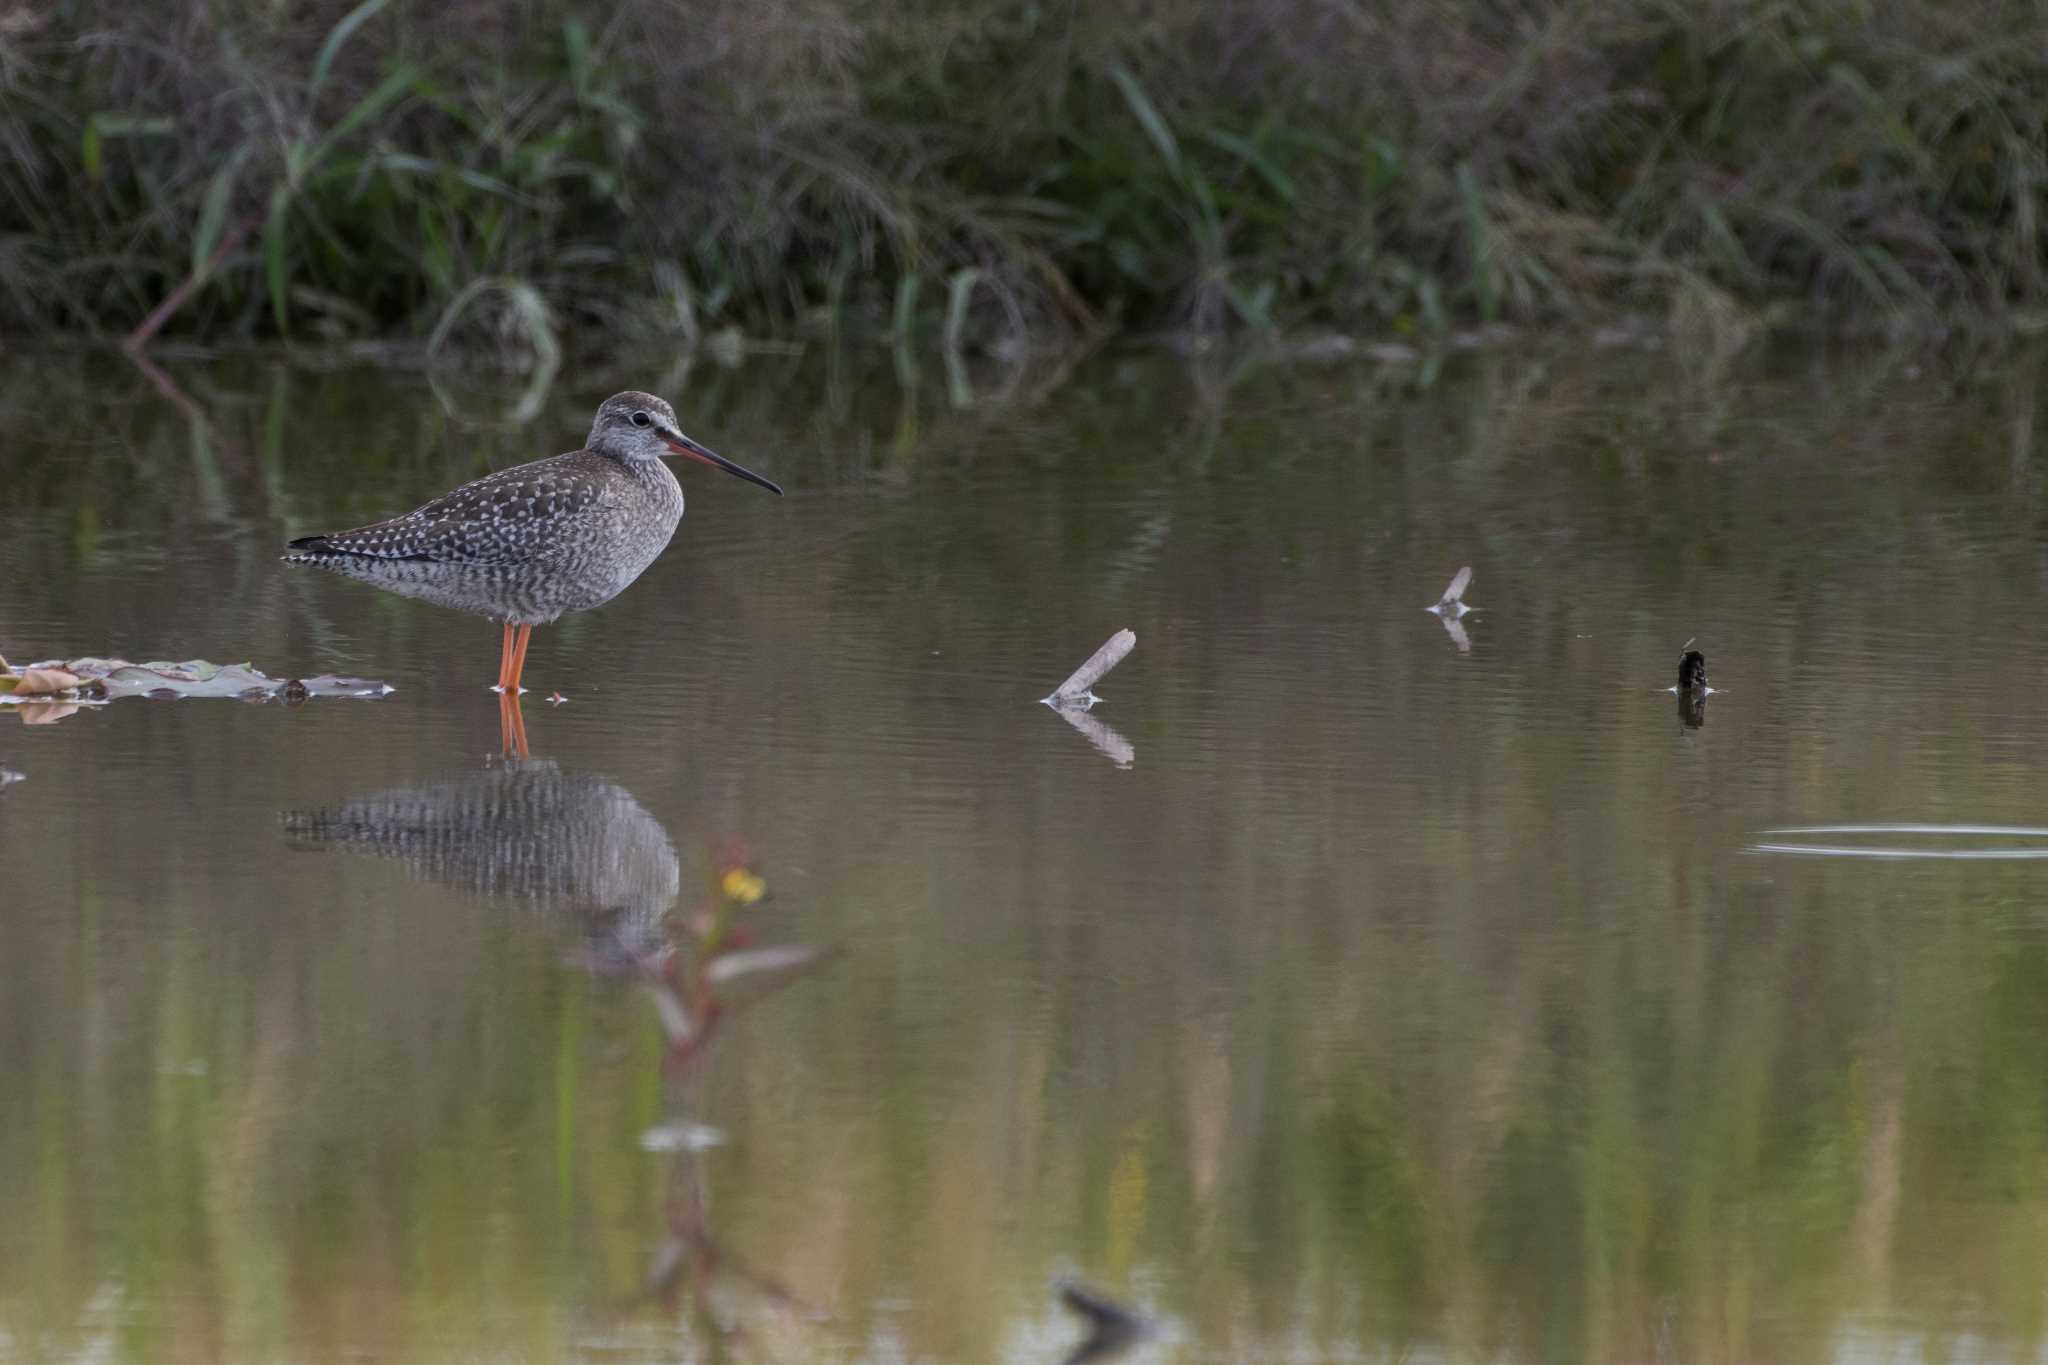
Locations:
{"points": [[1075, 691], [1452, 604]]}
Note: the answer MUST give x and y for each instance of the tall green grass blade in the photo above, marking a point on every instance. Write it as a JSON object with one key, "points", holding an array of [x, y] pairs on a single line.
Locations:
{"points": [[135, 125], [1722, 240], [576, 46], [99, 127], [213, 214], [275, 273], [1894, 127], [1210, 220], [1254, 307], [959, 294], [905, 317], [435, 255], [381, 97], [1479, 242], [1149, 117], [1255, 157], [323, 62], [1431, 300], [404, 163]]}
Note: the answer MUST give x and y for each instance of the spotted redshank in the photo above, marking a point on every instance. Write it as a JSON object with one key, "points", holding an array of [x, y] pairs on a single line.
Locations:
{"points": [[527, 544]]}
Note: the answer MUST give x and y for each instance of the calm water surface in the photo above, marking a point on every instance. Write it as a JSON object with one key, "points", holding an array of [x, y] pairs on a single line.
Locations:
{"points": [[1359, 998]]}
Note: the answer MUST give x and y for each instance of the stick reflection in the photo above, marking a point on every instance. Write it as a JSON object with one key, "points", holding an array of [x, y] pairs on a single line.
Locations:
{"points": [[1101, 735]]}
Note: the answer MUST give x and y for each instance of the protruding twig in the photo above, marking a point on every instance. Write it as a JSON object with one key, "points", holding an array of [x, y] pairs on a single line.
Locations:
{"points": [[136, 340], [1077, 689]]}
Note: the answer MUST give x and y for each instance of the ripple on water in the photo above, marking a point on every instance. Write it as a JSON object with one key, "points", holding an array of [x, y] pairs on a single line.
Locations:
{"points": [[2011, 852]]}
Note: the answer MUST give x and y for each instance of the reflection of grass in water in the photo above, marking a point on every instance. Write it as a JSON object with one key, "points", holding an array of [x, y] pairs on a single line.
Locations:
{"points": [[1589, 1146]]}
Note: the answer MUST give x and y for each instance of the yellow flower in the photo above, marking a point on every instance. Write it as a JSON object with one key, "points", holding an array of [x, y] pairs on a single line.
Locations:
{"points": [[741, 885]]}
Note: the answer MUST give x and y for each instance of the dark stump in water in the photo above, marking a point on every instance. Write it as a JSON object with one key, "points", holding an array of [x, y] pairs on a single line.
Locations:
{"points": [[1692, 671]]}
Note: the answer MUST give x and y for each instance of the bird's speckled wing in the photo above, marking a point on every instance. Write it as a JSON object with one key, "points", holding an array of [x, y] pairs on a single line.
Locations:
{"points": [[502, 518]]}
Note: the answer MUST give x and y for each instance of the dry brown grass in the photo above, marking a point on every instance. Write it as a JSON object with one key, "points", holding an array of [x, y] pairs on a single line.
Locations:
{"points": [[1253, 164]]}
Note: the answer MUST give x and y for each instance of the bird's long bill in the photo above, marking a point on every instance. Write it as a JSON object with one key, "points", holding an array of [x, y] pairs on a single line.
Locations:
{"points": [[683, 445]]}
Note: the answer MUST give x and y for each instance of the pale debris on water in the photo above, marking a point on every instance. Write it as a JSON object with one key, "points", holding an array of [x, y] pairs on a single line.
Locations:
{"points": [[1077, 691], [682, 1135], [727, 967], [112, 679]]}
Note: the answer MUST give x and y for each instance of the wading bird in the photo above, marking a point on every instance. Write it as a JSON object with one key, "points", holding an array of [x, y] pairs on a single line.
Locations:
{"points": [[528, 544]]}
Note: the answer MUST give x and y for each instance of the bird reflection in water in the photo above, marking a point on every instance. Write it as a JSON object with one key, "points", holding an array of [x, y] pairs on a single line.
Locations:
{"points": [[525, 832], [511, 727]]}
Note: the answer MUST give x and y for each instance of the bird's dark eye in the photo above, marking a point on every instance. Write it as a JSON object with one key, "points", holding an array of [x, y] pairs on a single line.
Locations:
{"points": [[639, 419]]}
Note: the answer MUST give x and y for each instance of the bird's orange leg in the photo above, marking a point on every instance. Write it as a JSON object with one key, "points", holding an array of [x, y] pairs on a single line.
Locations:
{"points": [[504, 656], [511, 726], [519, 657]]}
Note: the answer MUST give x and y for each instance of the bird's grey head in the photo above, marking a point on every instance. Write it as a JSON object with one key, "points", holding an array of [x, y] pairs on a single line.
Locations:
{"points": [[638, 426], [635, 426]]}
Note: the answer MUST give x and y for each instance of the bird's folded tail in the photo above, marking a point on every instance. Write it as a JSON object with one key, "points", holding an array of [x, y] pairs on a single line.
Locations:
{"points": [[383, 541]]}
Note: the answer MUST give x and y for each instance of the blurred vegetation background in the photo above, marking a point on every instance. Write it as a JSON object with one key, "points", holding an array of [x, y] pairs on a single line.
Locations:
{"points": [[1002, 174]]}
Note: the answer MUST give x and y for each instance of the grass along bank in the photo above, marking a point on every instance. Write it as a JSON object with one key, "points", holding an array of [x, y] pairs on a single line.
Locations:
{"points": [[997, 174]]}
